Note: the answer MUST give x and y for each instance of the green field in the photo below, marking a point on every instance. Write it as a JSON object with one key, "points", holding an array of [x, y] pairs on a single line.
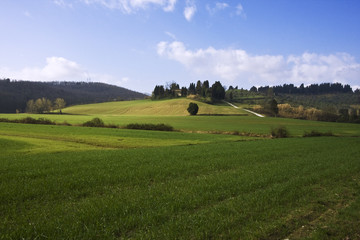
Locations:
{"points": [[72, 182], [173, 112]]}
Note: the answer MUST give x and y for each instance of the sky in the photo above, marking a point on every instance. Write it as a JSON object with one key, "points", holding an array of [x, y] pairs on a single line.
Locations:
{"points": [[138, 44]]}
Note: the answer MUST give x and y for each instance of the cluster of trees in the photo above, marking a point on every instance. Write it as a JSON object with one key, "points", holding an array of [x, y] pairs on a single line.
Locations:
{"points": [[323, 88], [44, 105], [201, 89], [287, 111], [15, 94]]}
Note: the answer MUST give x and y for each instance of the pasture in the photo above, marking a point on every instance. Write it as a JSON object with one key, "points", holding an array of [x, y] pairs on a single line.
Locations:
{"points": [[72, 182]]}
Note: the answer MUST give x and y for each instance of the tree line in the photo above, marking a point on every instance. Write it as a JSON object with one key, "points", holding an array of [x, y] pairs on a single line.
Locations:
{"points": [[44, 105], [323, 88], [201, 90]]}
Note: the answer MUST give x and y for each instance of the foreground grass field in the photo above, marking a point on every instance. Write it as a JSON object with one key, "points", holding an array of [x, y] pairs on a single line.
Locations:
{"points": [[269, 189], [68, 182]]}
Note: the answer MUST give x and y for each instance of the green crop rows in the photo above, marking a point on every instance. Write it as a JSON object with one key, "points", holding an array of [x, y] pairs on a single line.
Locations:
{"points": [[72, 182]]}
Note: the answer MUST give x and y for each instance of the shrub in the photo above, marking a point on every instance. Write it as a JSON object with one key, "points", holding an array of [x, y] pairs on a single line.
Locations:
{"points": [[193, 108], [65, 123], [95, 122], [315, 133], [29, 120], [149, 126], [4, 120], [279, 132]]}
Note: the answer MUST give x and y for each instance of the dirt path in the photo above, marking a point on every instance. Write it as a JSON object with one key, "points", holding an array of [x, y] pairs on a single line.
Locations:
{"points": [[256, 114]]}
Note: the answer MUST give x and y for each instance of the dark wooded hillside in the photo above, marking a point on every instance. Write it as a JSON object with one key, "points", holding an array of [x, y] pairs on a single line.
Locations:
{"points": [[15, 94]]}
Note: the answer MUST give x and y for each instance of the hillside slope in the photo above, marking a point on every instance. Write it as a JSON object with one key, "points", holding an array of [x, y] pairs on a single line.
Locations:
{"points": [[172, 107], [15, 94]]}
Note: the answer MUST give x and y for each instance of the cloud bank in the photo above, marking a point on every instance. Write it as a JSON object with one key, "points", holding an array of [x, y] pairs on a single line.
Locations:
{"points": [[236, 65], [56, 69]]}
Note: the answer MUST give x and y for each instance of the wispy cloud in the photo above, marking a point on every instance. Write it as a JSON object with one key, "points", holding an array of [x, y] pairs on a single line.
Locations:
{"points": [[190, 10], [170, 6], [171, 35], [131, 6], [218, 6], [238, 65], [240, 11], [62, 3]]}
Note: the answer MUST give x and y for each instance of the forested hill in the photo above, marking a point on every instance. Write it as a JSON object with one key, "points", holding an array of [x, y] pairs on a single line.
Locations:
{"points": [[15, 94]]}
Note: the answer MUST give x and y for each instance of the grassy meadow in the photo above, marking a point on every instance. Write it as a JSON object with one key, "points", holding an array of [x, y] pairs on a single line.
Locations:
{"points": [[73, 182]]}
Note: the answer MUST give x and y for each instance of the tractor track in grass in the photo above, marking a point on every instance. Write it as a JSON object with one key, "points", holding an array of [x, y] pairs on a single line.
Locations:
{"points": [[234, 106]]}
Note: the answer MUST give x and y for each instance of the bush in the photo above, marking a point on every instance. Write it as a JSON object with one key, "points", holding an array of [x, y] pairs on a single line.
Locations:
{"points": [[315, 133], [95, 122], [149, 126], [279, 132], [29, 120], [4, 120], [193, 108]]}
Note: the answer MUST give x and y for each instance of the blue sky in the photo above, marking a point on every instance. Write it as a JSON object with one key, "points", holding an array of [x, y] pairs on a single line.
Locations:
{"points": [[138, 44]]}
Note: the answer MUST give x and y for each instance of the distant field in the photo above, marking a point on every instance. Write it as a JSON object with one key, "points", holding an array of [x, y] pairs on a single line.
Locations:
{"points": [[71, 182], [172, 112], [172, 107], [250, 124]]}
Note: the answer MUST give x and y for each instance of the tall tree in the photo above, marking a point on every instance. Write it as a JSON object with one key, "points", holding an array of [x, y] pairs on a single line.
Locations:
{"points": [[192, 89], [217, 91], [184, 91], [198, 87]]}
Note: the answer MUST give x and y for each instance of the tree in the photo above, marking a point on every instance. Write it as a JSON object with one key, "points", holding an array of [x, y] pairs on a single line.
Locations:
{"points": [[192, 89], [159, 92], [184, 92], [174, 87], [273, 107], [205, 92], [59, 104], [193, 108], [217, 91], [43, 105], [30, 106], [198, 87]]}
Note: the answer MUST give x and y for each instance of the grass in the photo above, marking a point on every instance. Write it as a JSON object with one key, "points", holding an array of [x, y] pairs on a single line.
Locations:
{"points": [[73, 182], [210, 123], [172, 107], [168, 112], [83, 138], [213, 190]]}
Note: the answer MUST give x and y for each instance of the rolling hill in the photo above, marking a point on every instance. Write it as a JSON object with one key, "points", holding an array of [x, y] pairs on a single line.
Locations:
{"points": [[172, 107], [15, 94]]}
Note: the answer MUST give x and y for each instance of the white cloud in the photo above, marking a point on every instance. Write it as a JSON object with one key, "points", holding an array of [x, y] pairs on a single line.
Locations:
{"points": [[131, 6], [238, 65], [218, 6], [240, 11], [190, 10], [63, 4], [171, 6], [56, 69]]}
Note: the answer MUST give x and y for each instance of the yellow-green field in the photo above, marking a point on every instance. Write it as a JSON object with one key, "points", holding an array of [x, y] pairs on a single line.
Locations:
{"points": [[173, 107], [73, 182]]}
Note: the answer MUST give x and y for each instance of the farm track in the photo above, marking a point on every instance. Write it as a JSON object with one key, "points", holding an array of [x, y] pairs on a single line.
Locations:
{"points": [[254, 113]]}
